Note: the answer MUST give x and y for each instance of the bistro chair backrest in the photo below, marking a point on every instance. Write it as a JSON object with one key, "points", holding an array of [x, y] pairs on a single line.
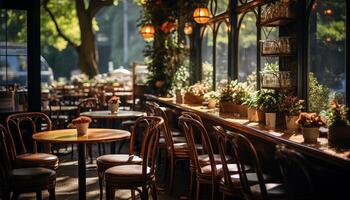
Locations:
{"points": [[151, 108], [247, 155], [190, 126], [225, 140], [88, 104], [22, 126], [295, 172], [5, 163], [150, 142]]}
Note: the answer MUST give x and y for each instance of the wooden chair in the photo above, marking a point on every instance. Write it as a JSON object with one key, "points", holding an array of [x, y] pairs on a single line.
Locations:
{"points": [[22, 148], [107, 161], [207, 171], [246, 154], [296, 175], [22, 180], [134, 176]]}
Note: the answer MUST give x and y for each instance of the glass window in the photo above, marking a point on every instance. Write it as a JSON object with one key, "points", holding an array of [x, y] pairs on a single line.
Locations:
{"points": [[327, 36], [247, 52], [222, 6], [207, 57], [221, 54]]}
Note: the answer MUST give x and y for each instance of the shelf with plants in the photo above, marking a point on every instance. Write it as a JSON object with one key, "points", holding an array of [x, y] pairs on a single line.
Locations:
{"points": [[282, 46], [278, 13]]}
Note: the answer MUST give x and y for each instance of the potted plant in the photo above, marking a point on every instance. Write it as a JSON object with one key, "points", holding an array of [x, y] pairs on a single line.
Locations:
{"points": [[291, 106], [81, 124], [310, 124], [269, 103], [338, 121], [212, 98], [254, 114], [180, 82], [232, 97], [195, 93], [113, 104]]}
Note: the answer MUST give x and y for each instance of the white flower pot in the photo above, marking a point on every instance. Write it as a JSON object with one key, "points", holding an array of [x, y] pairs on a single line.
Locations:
{"points": [[310, 134], [114, 108], [291, 122], [82, 128], [270, 120], [212, 103], [253, 115]]}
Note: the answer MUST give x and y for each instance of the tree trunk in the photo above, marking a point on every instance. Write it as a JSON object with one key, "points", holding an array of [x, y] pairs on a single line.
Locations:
{"points": [[87, 49]]}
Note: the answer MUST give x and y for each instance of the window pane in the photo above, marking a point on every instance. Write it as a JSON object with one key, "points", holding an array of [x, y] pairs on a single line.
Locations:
{"points": [[247, 53], [222, 6], [221, 54], [327, 54], [207, 57]]}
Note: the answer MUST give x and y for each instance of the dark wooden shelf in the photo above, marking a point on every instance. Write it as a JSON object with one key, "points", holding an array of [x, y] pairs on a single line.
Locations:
{"points": [[277, 54], [277, 21]]}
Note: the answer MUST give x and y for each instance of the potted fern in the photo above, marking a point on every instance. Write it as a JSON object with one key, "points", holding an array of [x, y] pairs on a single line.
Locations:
{"points": [[291, 106], [269, 103], [310, 124], [232, 97], [254, 113], [338, 121]]}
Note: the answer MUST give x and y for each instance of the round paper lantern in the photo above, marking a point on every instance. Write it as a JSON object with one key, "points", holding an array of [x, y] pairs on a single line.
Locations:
{"points": [[147, 32], [188, 29], [201, 15]]}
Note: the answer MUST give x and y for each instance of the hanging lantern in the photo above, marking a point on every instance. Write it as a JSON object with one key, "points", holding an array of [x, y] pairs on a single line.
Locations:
{"points": [[201, 15], [147, 32], [188, 29]]}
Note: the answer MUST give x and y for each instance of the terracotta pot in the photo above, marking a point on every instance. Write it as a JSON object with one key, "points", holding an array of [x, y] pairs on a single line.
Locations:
{"points": [[310, 134], [193, 99], [114, 108], [339, 135], [82, 128], [179, 97], [270, 120], [291, 122], [253, 115], [212, 103]]}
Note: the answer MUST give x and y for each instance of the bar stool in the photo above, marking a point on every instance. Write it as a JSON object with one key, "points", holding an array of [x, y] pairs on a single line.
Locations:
{"points": [[22, 180], [134, 176], [22, 126], [205, 174], [295, 172], [247, 154]]}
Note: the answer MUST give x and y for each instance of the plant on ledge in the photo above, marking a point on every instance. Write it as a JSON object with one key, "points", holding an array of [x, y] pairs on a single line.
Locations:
{"points": [[232, 96], [338, 121], [212, 98], [254, 113], [310, 123], [291, 106], [195, 93], [269, 102]]}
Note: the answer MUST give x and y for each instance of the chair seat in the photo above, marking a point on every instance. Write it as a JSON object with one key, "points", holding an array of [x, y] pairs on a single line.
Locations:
{"points": [[117, 159], [204, 159], [274, 190], [252, 178], [36, 160], [32, 176], [175, 140], [231, 167], [130, 174]]}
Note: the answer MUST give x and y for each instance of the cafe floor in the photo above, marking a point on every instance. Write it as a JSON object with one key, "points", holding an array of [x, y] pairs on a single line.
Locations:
{"points": [[67, 181]]}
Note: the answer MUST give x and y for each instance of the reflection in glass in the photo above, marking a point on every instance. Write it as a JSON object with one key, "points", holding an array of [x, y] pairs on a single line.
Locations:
{"points": [[221, 54], [327, 37], [207, 57], [247, 52]]}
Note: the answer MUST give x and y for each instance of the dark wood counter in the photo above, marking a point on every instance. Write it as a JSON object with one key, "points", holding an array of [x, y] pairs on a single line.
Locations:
{"points": [[322, 150]]}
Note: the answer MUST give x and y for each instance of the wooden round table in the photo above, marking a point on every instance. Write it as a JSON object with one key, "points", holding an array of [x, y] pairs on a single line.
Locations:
{"points": [[120, 115], [69, 136]]}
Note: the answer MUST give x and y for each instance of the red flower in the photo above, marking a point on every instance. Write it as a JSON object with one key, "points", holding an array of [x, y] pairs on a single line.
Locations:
{"points": [[167, 27], [158, 2]]}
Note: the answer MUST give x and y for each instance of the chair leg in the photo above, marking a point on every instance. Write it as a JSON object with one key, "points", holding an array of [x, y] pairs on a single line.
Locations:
{"points": [[52, 193], [214, 190], [154, 191], [71, 156], [38, 195], [90, 154], [191, 184], [198, 192], [108, 192], [15, 196], [100, 182], [144, 193], [99, 149], [133, 196], [172, 172]]}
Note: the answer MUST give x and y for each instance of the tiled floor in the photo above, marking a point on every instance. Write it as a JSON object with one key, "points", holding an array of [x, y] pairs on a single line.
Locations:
{"points": [[67, 182]]}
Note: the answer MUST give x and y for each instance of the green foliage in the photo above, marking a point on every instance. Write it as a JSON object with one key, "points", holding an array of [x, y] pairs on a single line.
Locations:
{"points": [[319, 95], [291, 105], [333, 29], [252, 99], [207, 74], [212, 95], [181, 77], [269, 102], [233, 92], [338, 115]]}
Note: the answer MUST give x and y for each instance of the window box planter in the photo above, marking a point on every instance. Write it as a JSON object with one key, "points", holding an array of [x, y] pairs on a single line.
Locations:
{"points": [[229, 107], [193, 99]]}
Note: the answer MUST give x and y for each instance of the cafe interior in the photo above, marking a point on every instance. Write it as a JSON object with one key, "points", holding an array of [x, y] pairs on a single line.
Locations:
{"points": [[232, 99]]}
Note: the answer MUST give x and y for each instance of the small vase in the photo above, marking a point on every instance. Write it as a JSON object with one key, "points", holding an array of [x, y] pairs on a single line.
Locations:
{"points": [[291, 122], [212, 103], [82, 128], [310, 134], [179, 96], [270, 120], [114, 108], [253, 115]]}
